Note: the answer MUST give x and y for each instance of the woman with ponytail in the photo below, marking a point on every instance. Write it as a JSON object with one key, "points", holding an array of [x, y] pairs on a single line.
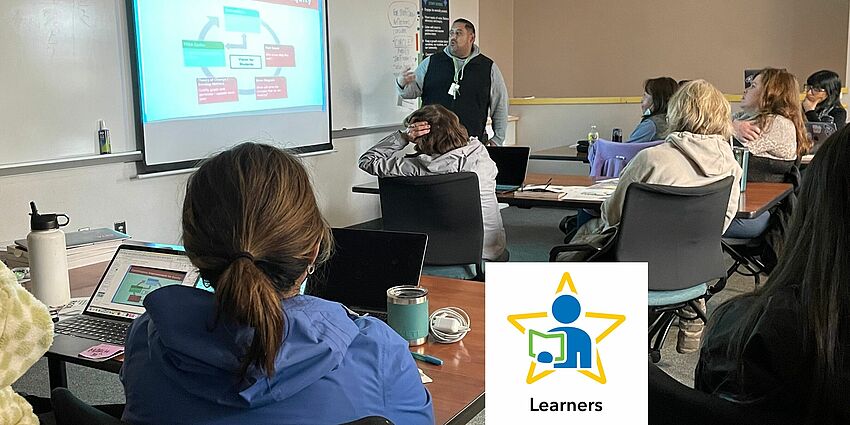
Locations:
{"points": [[255, 350]]}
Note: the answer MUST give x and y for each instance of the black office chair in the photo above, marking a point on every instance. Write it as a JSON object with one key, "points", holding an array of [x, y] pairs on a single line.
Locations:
{"points": [[677, 231], [674, 403], [447, 208], [69, 410]]}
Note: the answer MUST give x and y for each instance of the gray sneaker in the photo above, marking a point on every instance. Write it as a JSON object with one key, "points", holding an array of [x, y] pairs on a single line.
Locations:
{"points": [[690, 330]]}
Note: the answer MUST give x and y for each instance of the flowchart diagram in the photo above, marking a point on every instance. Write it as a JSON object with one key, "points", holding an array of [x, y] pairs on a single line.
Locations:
{"points": [[258, 51]]}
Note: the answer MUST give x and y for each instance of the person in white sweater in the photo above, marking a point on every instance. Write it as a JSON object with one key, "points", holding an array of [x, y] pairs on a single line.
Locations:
{"points": [[771, 127]]}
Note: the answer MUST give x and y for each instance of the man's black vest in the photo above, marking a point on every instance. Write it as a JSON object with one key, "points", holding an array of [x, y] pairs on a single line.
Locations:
{"points": [[473, 99]]}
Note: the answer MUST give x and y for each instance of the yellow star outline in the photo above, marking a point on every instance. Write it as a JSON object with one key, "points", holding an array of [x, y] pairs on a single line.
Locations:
{"points": [[599, 376]]}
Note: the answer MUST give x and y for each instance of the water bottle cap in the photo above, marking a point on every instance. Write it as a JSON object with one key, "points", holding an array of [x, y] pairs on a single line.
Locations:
{"points": [[45, 221]]}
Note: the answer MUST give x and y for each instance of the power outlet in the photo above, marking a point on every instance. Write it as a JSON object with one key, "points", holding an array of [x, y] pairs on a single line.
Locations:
{"points": [[120, 226]]}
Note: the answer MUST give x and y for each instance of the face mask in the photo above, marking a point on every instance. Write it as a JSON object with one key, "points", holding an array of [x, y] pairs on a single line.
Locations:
{"points": [[303, 287], [647, 112]]}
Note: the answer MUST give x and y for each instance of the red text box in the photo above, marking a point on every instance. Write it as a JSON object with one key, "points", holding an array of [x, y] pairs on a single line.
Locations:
{"points": [[215, 90], [280, 55], [270, 88]]}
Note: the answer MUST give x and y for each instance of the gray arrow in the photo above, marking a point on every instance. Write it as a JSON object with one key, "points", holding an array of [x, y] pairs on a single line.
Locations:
{"points": [[244, 44], [211, 22]]}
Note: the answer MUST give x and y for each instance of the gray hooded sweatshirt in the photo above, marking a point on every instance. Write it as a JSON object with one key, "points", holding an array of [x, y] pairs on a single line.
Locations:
{"points": [[387, 159], [686, 160]]}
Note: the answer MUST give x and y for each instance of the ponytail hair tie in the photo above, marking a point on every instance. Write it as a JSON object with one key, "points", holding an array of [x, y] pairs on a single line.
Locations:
{"points": [[243, 254]]}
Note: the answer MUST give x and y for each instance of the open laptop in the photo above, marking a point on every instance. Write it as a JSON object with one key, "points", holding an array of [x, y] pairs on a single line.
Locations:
{"points": [[512, 163], [818, 132], [134, 272], [364, 264]]}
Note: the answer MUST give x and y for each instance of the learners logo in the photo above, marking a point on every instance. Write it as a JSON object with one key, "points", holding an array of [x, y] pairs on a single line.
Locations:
{"points": [[566, 342], [566, 309]]}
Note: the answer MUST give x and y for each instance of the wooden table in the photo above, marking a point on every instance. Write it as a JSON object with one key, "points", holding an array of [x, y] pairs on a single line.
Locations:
{"points": [[561, 153], [458, 387], [758, 198]]}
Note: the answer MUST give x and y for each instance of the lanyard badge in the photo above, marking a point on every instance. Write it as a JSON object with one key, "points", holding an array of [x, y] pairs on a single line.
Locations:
{"points": [[454, 89]]}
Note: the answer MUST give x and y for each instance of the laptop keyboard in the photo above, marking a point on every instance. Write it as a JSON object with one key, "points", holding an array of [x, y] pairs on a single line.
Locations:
{"points": [[94, 328]]}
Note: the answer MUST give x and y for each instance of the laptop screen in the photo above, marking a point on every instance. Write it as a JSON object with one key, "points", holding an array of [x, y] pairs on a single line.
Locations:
{"points": [[134, 273], [818, 132], [364, 264], [512, 163]]}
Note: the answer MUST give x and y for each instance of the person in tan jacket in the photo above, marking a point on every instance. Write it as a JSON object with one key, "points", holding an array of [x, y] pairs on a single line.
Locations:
{"points": [[26, 333], [696, 153]]}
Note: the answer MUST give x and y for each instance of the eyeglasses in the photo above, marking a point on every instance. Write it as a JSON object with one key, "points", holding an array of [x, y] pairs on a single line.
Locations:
{"points": [[455, 33], [814, 89]]}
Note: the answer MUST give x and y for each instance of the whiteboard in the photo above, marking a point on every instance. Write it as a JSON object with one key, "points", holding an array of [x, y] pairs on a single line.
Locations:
{"points": [[371, 41], [66, 65]]}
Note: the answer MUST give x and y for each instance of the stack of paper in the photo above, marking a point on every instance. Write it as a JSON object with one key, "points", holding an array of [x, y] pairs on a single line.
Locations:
{"points": [[541, 191], [84, 248]]}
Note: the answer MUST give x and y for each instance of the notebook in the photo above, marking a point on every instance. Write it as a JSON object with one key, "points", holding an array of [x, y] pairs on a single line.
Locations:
{"points": [[134, 272], [364, 264], [85, 237], [512, 163], [818, 132]]}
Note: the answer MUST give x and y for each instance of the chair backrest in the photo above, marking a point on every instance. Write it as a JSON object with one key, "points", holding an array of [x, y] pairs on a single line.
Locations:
{"points": [[676, 230], [761, 169], [607, 158], [446, 207]]}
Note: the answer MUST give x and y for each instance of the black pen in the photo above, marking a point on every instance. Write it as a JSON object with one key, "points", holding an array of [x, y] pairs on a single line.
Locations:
{"points": [[547, 184]]}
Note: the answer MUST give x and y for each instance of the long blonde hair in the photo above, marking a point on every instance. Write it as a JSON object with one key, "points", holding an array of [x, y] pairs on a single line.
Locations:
{"points": [[251, 225], [698, 107]]}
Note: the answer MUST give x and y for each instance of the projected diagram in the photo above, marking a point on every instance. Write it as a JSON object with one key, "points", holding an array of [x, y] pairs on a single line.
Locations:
{"points": [[141, 281], [248, 58]]}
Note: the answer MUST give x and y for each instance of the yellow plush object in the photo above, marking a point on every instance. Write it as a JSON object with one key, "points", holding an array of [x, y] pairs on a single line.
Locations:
{"points": [[26, 333]]}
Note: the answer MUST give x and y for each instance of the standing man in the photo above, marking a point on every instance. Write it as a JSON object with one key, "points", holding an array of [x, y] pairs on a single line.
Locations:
{"points": [[464, 81]]}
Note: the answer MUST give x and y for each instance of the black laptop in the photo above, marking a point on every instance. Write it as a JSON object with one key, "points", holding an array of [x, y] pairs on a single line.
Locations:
{"points": [[512, 163], [364, 264], [134, 272], [818, 132]]}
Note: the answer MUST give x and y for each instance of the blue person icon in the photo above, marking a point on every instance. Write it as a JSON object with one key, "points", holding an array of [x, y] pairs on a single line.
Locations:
{"points": [[566, 309]]}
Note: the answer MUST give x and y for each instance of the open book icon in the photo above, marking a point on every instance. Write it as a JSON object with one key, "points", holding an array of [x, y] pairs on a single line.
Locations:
{"points": [[552, 343]]}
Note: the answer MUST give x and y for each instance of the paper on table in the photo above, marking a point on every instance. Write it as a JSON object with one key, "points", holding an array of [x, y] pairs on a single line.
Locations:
{"points": [[425, 378], [73, 308], [102, 352]]}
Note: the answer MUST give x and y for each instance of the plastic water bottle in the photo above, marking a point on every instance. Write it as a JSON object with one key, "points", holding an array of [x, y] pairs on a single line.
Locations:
{"points": [[593, 135], [48, 258]]}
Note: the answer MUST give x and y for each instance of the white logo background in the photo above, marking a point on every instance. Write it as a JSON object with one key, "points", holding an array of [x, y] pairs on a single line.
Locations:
{"points": [[611, 288]]}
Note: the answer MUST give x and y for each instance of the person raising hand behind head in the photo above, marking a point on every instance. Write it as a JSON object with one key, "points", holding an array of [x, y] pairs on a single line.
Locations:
{"points": [[442, 147], [256, 351]]}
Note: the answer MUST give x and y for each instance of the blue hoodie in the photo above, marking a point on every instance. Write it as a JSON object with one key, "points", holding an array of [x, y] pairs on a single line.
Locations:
{"points": [[179, 367]]}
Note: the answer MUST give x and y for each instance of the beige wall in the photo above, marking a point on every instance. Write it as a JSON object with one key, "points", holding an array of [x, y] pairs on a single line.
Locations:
{"points": [[467, 9], [496, 36], [574, 48]]}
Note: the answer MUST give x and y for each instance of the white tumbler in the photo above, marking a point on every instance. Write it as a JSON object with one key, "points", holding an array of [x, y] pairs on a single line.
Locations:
{"points": [[48, 259]]}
